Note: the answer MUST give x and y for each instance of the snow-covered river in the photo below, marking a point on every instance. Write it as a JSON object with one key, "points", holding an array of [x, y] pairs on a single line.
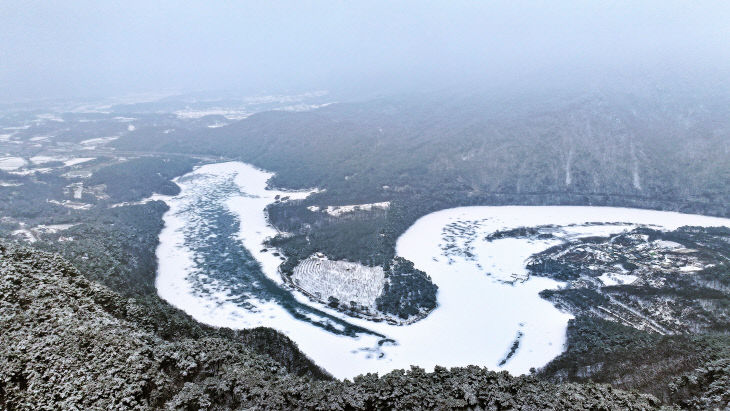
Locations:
{"points": [[211, 265]]}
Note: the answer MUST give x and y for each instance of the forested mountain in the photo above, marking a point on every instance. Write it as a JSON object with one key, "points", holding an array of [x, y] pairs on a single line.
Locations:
{"points": [[661, 144]]}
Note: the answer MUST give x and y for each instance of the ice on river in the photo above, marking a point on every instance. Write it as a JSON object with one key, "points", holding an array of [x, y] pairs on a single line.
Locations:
{"points": [[485, 297]]}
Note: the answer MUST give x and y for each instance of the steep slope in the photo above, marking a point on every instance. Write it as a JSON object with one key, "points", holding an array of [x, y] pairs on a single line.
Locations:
{"points": [[69, 343]]}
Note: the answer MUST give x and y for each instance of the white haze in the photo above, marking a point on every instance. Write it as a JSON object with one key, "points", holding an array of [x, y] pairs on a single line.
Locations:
{"points": [[85, 48]]}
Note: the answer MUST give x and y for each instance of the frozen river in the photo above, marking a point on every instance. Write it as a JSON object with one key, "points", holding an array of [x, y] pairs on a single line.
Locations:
{"points": [[212, 266]]}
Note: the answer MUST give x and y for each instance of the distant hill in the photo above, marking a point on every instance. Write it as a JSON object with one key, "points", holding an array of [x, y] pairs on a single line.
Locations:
{"points": [[653, 145]]}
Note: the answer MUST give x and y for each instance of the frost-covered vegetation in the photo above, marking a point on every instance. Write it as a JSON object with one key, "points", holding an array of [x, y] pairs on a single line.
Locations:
{"points": [[686, 369], [668, 282], [141, 177], [70, 343], [408, 292]]}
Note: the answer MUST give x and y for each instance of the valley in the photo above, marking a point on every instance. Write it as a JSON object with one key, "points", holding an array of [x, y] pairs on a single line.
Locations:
{"points": [[365, 205], [373, 273]]}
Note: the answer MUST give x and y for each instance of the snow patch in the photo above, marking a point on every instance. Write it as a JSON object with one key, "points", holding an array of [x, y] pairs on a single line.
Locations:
{"points": [[670, 245], [45, 159], [78, 160], [31, 171], [230, 114], [24, 234], [72, 204], [11, 163], [93, 142], [617, 279], [337, 211]]}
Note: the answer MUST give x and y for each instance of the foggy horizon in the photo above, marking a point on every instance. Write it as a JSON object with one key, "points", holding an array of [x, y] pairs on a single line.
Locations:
{"points": [[90, 49]]}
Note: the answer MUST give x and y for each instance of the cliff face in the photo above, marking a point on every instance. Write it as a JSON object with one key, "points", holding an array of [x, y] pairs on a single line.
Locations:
{"points": [[67, 342]]}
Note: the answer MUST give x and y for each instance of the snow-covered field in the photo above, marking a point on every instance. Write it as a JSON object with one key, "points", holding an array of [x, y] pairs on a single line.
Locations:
{"points": [[616, 279], [31, 171], [76, 190], [33, 234], [230, 114], [486, 299], [45, 159], [68, 162], [337, 211], [72, 204], [77, 160], [11, 163], [342, 280], [92, 143]]}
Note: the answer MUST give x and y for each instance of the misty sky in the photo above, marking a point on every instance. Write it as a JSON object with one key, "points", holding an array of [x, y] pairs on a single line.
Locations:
{"points": [[95, 47]]}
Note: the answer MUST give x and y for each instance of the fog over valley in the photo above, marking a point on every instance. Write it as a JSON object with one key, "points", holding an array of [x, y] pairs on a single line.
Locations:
{"points": [[85, 48]]}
